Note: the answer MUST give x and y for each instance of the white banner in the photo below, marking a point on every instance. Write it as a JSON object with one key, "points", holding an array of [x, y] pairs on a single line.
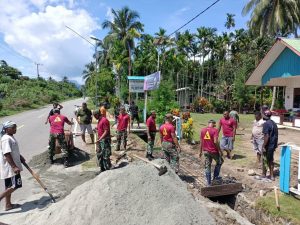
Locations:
{"points": [[136, 86]]}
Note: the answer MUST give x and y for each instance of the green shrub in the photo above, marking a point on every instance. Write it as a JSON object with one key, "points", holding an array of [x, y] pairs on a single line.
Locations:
{"points": [[219, 105], [163, 100]]}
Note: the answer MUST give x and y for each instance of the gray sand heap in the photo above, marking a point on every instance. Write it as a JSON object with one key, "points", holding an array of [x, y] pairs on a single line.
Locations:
{"points": [[133, 195]]}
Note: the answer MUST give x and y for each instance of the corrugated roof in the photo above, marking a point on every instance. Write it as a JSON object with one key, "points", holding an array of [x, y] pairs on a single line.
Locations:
{"points": [[294, 44]]}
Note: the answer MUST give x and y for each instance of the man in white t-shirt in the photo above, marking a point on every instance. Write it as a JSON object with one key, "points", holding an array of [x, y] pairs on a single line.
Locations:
{"points": [[257, 137], [10, 163]]}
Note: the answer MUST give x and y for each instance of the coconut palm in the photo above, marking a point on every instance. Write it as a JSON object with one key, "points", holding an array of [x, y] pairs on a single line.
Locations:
{"points": [[274, 17], [125, 27], [230, 21]]}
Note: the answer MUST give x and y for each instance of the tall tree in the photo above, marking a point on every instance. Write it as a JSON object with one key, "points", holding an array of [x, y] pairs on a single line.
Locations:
{"points": [[125, 27], [274, 17], [230, 22]]}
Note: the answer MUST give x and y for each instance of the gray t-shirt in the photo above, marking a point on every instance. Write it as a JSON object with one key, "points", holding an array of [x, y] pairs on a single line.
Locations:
{"points": [[8, 144]]}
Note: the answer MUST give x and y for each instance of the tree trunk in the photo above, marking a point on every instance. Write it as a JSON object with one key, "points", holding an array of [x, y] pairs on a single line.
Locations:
{"points": [[129, 60], [202, 77], [273, 98]]}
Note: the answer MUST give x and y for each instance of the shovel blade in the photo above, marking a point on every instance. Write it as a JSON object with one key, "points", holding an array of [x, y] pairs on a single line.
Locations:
{"points": [[162, 170]]}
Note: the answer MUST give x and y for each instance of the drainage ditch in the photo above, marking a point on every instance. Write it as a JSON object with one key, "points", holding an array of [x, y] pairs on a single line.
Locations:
{"points": [[239, 203]]}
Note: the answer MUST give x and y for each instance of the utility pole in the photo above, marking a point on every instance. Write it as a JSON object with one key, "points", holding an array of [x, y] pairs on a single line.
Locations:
{"points": [[37, 69], [96, 64]]}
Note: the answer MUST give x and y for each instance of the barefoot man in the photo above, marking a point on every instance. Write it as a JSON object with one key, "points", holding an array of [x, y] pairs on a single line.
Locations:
{"points": [[10, 163]]}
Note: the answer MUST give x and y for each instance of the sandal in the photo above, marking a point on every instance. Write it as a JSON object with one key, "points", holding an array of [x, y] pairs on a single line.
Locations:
{"points": [[13, 206]]}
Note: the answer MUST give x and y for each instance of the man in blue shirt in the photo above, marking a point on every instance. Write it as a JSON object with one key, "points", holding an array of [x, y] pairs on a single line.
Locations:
{"points": [[270, 132]]}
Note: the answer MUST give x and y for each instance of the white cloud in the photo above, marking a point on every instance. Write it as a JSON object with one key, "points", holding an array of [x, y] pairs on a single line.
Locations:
{"points": [[176, 19], [181, 11], [36, 29]]}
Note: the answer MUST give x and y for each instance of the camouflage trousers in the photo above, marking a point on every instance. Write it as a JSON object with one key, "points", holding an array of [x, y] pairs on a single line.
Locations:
{"points": [[151, 143], [121, 135], [171, 155], [104, 153], [208, 160], [62, 142]]}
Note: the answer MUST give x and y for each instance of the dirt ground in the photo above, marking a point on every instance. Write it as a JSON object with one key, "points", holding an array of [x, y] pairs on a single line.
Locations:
{"points": [[62, 181]]}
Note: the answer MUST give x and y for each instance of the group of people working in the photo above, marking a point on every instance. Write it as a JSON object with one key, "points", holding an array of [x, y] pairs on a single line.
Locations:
{"points": [[264, 138]]}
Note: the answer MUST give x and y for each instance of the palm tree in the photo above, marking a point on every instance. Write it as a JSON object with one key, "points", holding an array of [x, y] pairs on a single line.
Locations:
{"points": [[125, 27], [230, 21], [274, 17], [204, 35]]}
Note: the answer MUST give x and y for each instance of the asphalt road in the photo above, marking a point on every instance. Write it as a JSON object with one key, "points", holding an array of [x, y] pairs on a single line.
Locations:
{"points": [[32, 134]]}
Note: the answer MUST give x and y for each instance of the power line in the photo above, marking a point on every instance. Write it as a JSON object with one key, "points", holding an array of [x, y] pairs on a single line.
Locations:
{"points": [[194, 17], [79, 35]]}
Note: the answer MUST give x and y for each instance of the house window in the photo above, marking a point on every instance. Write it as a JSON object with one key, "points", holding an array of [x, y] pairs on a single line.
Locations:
{"points": [[296, 98]]}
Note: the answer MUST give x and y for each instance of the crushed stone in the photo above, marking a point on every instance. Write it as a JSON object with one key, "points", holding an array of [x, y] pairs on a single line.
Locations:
{"points": [[132, 195]]}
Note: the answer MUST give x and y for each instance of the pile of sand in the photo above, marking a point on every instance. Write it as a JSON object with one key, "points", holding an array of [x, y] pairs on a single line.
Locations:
{"points": [[131, 195]]}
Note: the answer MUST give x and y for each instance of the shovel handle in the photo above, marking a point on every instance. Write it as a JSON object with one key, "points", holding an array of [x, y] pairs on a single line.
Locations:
{"points": [[276, 198], [35, 176], [147, 161]]}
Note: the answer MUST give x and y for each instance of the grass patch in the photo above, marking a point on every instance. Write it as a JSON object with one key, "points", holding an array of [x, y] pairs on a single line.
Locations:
{"points": [[200, 121], [90, 164], [240, 151], [289, 206]]}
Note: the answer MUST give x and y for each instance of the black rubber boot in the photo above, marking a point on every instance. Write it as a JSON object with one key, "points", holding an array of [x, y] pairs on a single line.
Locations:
{"points": [[66, 163], [51, 160]]}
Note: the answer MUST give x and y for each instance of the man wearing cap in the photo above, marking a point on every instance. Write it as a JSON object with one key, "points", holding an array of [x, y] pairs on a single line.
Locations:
{"points": [[10, 163], [123, 124], [169, 143], [210, 146], [57, 123], [85, 121], [228, 126], [151, 132], [104, 149], [270, 132]]}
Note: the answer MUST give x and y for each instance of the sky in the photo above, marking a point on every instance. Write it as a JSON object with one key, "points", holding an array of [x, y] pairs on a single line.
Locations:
{"points": [[34, 31]]}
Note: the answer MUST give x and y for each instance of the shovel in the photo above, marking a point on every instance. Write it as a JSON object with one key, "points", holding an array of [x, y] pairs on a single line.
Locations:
{"points": [[39, 181], [161, 169]]}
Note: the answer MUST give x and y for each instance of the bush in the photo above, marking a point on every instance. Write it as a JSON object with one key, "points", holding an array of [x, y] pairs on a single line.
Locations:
{"points": [[163, 100], [219, 105]]}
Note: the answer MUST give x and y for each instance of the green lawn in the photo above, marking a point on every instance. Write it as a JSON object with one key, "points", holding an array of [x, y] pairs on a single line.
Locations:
{"points": [[289, 206], [240, 150], [200, 121]]}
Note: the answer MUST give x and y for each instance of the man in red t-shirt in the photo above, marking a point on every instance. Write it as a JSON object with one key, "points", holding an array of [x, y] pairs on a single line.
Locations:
{"points": [[228, 126], [104, 149], [209, 144], [151, 132], [57, 123], [123, 124], [169, 143]]}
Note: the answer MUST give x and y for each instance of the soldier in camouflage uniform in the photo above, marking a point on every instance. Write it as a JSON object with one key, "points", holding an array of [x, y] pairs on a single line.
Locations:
{"points": [[104, 150], [169, 142], [151, 132], [57, 123], [123, 124], [210, 146]]}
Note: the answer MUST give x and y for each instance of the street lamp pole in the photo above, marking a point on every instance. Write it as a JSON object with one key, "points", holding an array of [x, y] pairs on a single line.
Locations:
{"points": [[96, 65], [96, 55]]}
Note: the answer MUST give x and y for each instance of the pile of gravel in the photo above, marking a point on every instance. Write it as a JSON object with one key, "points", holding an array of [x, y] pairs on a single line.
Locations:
{"points": [[132, 195]]}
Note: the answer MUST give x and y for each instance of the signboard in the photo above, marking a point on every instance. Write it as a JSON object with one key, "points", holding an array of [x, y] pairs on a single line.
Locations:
{"points": [[136, 86], [152, 81]]}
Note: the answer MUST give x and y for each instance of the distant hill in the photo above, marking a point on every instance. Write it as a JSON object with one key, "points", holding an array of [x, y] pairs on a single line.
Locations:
{"points": [[76, 83], [19, 92]]}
